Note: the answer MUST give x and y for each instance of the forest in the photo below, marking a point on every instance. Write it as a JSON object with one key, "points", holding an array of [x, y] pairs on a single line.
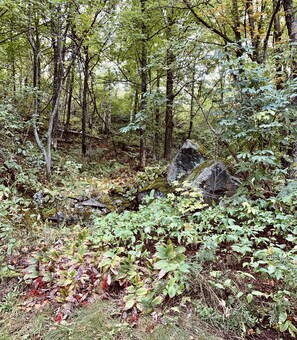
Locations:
{"points": [[148, 169]]}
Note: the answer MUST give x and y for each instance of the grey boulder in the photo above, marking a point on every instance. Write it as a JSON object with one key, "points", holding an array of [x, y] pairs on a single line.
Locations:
{"points": [[215, 182], [187, 159]]}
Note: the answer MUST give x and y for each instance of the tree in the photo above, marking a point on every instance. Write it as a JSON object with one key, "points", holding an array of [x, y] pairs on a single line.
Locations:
{"points": [[170, 59]]}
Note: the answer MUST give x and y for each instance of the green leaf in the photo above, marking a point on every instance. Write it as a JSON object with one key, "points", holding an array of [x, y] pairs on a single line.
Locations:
{"points": [[130, 303], [157, 301], [282, 317], [258, 293], [239, 295], [171, 291], [32, 275], [141, 291], [284, 326], [249, 298]]}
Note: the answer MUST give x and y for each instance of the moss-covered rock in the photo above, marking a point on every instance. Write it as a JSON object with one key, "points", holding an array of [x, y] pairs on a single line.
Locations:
{"points": [[197, 171], [214, 180], [187, 159], [48, 212], [160, 184], [160, 187]]}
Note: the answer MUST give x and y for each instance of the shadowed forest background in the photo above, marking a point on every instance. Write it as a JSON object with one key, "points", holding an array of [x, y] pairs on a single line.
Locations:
{"points": [[148, 169]]}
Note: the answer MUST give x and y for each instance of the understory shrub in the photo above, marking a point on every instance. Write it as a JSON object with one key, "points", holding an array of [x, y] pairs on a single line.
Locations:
{"points": [[233, 257]]}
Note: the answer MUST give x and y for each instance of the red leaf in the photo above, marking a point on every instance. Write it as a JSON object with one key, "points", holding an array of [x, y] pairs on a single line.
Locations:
{"points": [[33, 292], [132, 320], [104, 283], [39, 282], [59, 318], [93, 278]]}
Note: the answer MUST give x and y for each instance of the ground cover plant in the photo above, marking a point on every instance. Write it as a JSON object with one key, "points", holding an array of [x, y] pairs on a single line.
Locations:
{"points": [[236, 263], [97, 101]]}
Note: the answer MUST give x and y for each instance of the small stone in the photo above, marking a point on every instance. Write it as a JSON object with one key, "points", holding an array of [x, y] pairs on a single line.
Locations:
{"points": [[92, 203], [57, 218], [38, 197]]}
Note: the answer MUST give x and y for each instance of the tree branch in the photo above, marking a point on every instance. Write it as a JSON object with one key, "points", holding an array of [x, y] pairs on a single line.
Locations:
{"points": [[204, 23], [265, 44]]}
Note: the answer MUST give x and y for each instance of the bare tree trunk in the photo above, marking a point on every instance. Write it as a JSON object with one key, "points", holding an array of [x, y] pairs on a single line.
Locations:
{"points": [[192, 105], [56, 32], [170, 59], [85, 103], [69, 100], [107, 108], [135, 105], [291, 23], [157, 123], [143, 99], [236, 26], [35, 45], [277, 38]]}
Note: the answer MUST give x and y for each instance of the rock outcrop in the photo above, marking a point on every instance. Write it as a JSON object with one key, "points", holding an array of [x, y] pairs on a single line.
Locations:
{"points": [[187, 159], [215, 182]]}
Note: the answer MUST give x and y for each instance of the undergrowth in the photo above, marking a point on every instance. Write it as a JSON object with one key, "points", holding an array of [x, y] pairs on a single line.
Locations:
{"points": [[235, 262]]}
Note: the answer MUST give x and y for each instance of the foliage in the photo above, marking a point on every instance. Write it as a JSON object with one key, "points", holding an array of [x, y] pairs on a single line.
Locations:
{"points": [[148, 256], [20, 164], [67, 68], [15, 216], [256, 119]]}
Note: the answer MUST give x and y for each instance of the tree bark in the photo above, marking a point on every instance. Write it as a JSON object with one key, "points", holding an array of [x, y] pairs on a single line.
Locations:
{"points": [[69, 100], [143, 99], [192, 104], [135, 104], [291, 23], [277, 34], [85, 103], [56, 36], [107, 108], [157, 122], [170, 59]]}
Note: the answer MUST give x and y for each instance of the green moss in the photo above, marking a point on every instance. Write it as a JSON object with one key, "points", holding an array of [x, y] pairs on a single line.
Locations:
{"points": [[46, 213], [196, 172], [160, 184], [124, 205], [202, 149], [106, 199]]}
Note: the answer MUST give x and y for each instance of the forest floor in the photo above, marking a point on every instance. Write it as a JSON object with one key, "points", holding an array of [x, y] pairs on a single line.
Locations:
{"points": [[30, 310], [26, 315]]}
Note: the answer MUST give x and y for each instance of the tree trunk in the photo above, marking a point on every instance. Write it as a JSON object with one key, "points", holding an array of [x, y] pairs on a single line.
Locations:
{"points": [[157, 122], [107, 108], [85, 103], [277, 39], [56, 32], [236, 27], [69, 101], [35, 44], [170, 58], [135, 105], [291, 23], [143, 100], [192, 105]]}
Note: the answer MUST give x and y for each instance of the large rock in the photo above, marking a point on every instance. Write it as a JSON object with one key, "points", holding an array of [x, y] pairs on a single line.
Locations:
{"points": [[215, 182], [187, 159]]}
